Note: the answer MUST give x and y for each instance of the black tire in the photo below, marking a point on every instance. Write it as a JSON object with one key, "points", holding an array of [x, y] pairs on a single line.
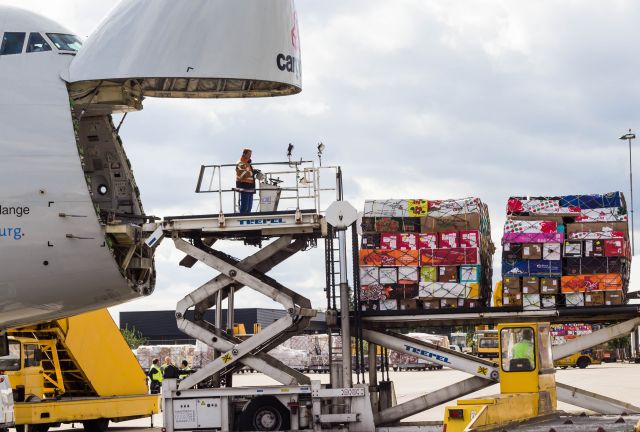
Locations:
{"points": [[583, 362], [265, 414], [97, 425]]}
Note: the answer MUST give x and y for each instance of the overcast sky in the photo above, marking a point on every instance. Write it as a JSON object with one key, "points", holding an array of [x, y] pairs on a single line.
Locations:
{"points": [[413, 98]]}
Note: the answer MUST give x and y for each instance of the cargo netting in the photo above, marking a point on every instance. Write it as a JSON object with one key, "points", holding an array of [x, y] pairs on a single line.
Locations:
{"points": [[425, 254], [565, 251]]}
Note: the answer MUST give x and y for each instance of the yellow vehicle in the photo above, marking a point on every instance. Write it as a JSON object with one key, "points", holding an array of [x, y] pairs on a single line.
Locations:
{"points": [[527, 382], [485, 344], [578, 360], [79, 370]]}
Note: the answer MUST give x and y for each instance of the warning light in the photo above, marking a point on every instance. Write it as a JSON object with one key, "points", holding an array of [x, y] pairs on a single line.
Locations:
{"points": [[456, 414]]}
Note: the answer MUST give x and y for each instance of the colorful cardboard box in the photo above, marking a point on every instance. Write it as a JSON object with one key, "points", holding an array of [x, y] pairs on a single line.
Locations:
{"points": [[408, 274], [551, 251], [428, 274], [531, 302], [378, 257], [448, 274], [454, 256], [587, 283], [549, 285], [444, 289], [574, 300], [470, 273], [533, 238], [530, 285], [594, 298]]}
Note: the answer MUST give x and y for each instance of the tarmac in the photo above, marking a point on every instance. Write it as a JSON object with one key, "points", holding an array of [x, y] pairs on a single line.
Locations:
{"points": [[616, 380]]}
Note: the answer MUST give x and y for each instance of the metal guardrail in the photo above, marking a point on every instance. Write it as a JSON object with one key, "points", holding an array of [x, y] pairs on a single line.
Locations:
{"points": [[297, 181]]}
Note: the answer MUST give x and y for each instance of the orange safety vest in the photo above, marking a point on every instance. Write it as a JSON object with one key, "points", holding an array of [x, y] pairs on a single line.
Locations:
{"points": [[244, 174]]}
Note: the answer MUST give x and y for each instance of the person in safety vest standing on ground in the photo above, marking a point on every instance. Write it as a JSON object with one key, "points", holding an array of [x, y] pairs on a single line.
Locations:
{"points": [[524, 348], [155, 376], [184, 370], [245, 181]]}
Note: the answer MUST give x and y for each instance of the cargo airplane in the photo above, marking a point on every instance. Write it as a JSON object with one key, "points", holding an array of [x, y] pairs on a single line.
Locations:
{"points": [[70, 211]]}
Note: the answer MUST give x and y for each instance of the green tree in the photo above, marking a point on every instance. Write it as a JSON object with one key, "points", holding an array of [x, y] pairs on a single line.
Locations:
{"points": [[133, 337]]}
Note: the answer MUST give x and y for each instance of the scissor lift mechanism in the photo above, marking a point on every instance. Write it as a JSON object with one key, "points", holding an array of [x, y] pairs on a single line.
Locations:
{"points": [[196, 237]]}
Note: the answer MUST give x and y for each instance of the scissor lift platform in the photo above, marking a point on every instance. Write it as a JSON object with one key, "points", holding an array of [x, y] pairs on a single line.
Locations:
{"points": [[239, 225]]}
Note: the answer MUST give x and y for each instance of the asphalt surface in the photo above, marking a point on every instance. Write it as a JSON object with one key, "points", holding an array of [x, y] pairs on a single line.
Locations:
{"points": [[620, 381]]}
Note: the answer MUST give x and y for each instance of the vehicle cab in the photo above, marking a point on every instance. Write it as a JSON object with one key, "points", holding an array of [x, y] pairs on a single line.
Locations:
{"points": [[527, 381], [23, 366]]}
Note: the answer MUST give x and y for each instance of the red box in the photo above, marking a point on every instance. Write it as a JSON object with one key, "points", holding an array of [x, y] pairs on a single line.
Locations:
{"points": [[389, 241], [469, 239], [615, 247], [455, 256], [407, 241], [448, 240], [427, 241]]}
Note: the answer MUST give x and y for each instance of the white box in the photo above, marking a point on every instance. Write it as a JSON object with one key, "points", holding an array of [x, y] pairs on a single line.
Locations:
{"points": [[386, 208], [551, 251], [574, 299], [408, 274], [443, 290], [548, 301], [388, 275], [531, 302], [369, 275]]}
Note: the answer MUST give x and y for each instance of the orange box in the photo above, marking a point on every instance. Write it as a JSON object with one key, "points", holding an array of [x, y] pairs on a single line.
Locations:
{"points": [[377, 257], [588, 283]]}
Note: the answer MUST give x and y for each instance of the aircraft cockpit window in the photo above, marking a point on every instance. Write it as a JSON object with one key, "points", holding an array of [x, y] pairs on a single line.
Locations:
{"points": [[37, 43], [12, 43], [65, 42]]}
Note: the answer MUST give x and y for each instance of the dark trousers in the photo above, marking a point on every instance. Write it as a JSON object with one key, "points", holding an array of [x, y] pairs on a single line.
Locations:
{"points": [[155, 387], [246, 202]]}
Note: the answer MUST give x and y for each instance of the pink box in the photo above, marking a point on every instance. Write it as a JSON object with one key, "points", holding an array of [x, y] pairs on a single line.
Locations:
{"points": [[533, 238], [469, 239], [448, 239], [389, 241], [428, 241], [407, 241]]}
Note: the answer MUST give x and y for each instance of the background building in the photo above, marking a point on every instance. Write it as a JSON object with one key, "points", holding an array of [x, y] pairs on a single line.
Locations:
{"points": [[159, 327]]}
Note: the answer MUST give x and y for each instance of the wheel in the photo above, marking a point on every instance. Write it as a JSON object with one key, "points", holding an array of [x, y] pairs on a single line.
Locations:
{"points": [[97, 425], [563, 367], [583, 362], [265, 414]]}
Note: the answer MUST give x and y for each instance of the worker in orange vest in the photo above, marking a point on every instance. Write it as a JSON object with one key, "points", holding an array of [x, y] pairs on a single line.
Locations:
{"points": [[245, 181]]}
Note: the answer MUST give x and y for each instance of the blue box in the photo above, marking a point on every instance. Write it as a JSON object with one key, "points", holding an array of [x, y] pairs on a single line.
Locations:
{"points": [[611, 199]]}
